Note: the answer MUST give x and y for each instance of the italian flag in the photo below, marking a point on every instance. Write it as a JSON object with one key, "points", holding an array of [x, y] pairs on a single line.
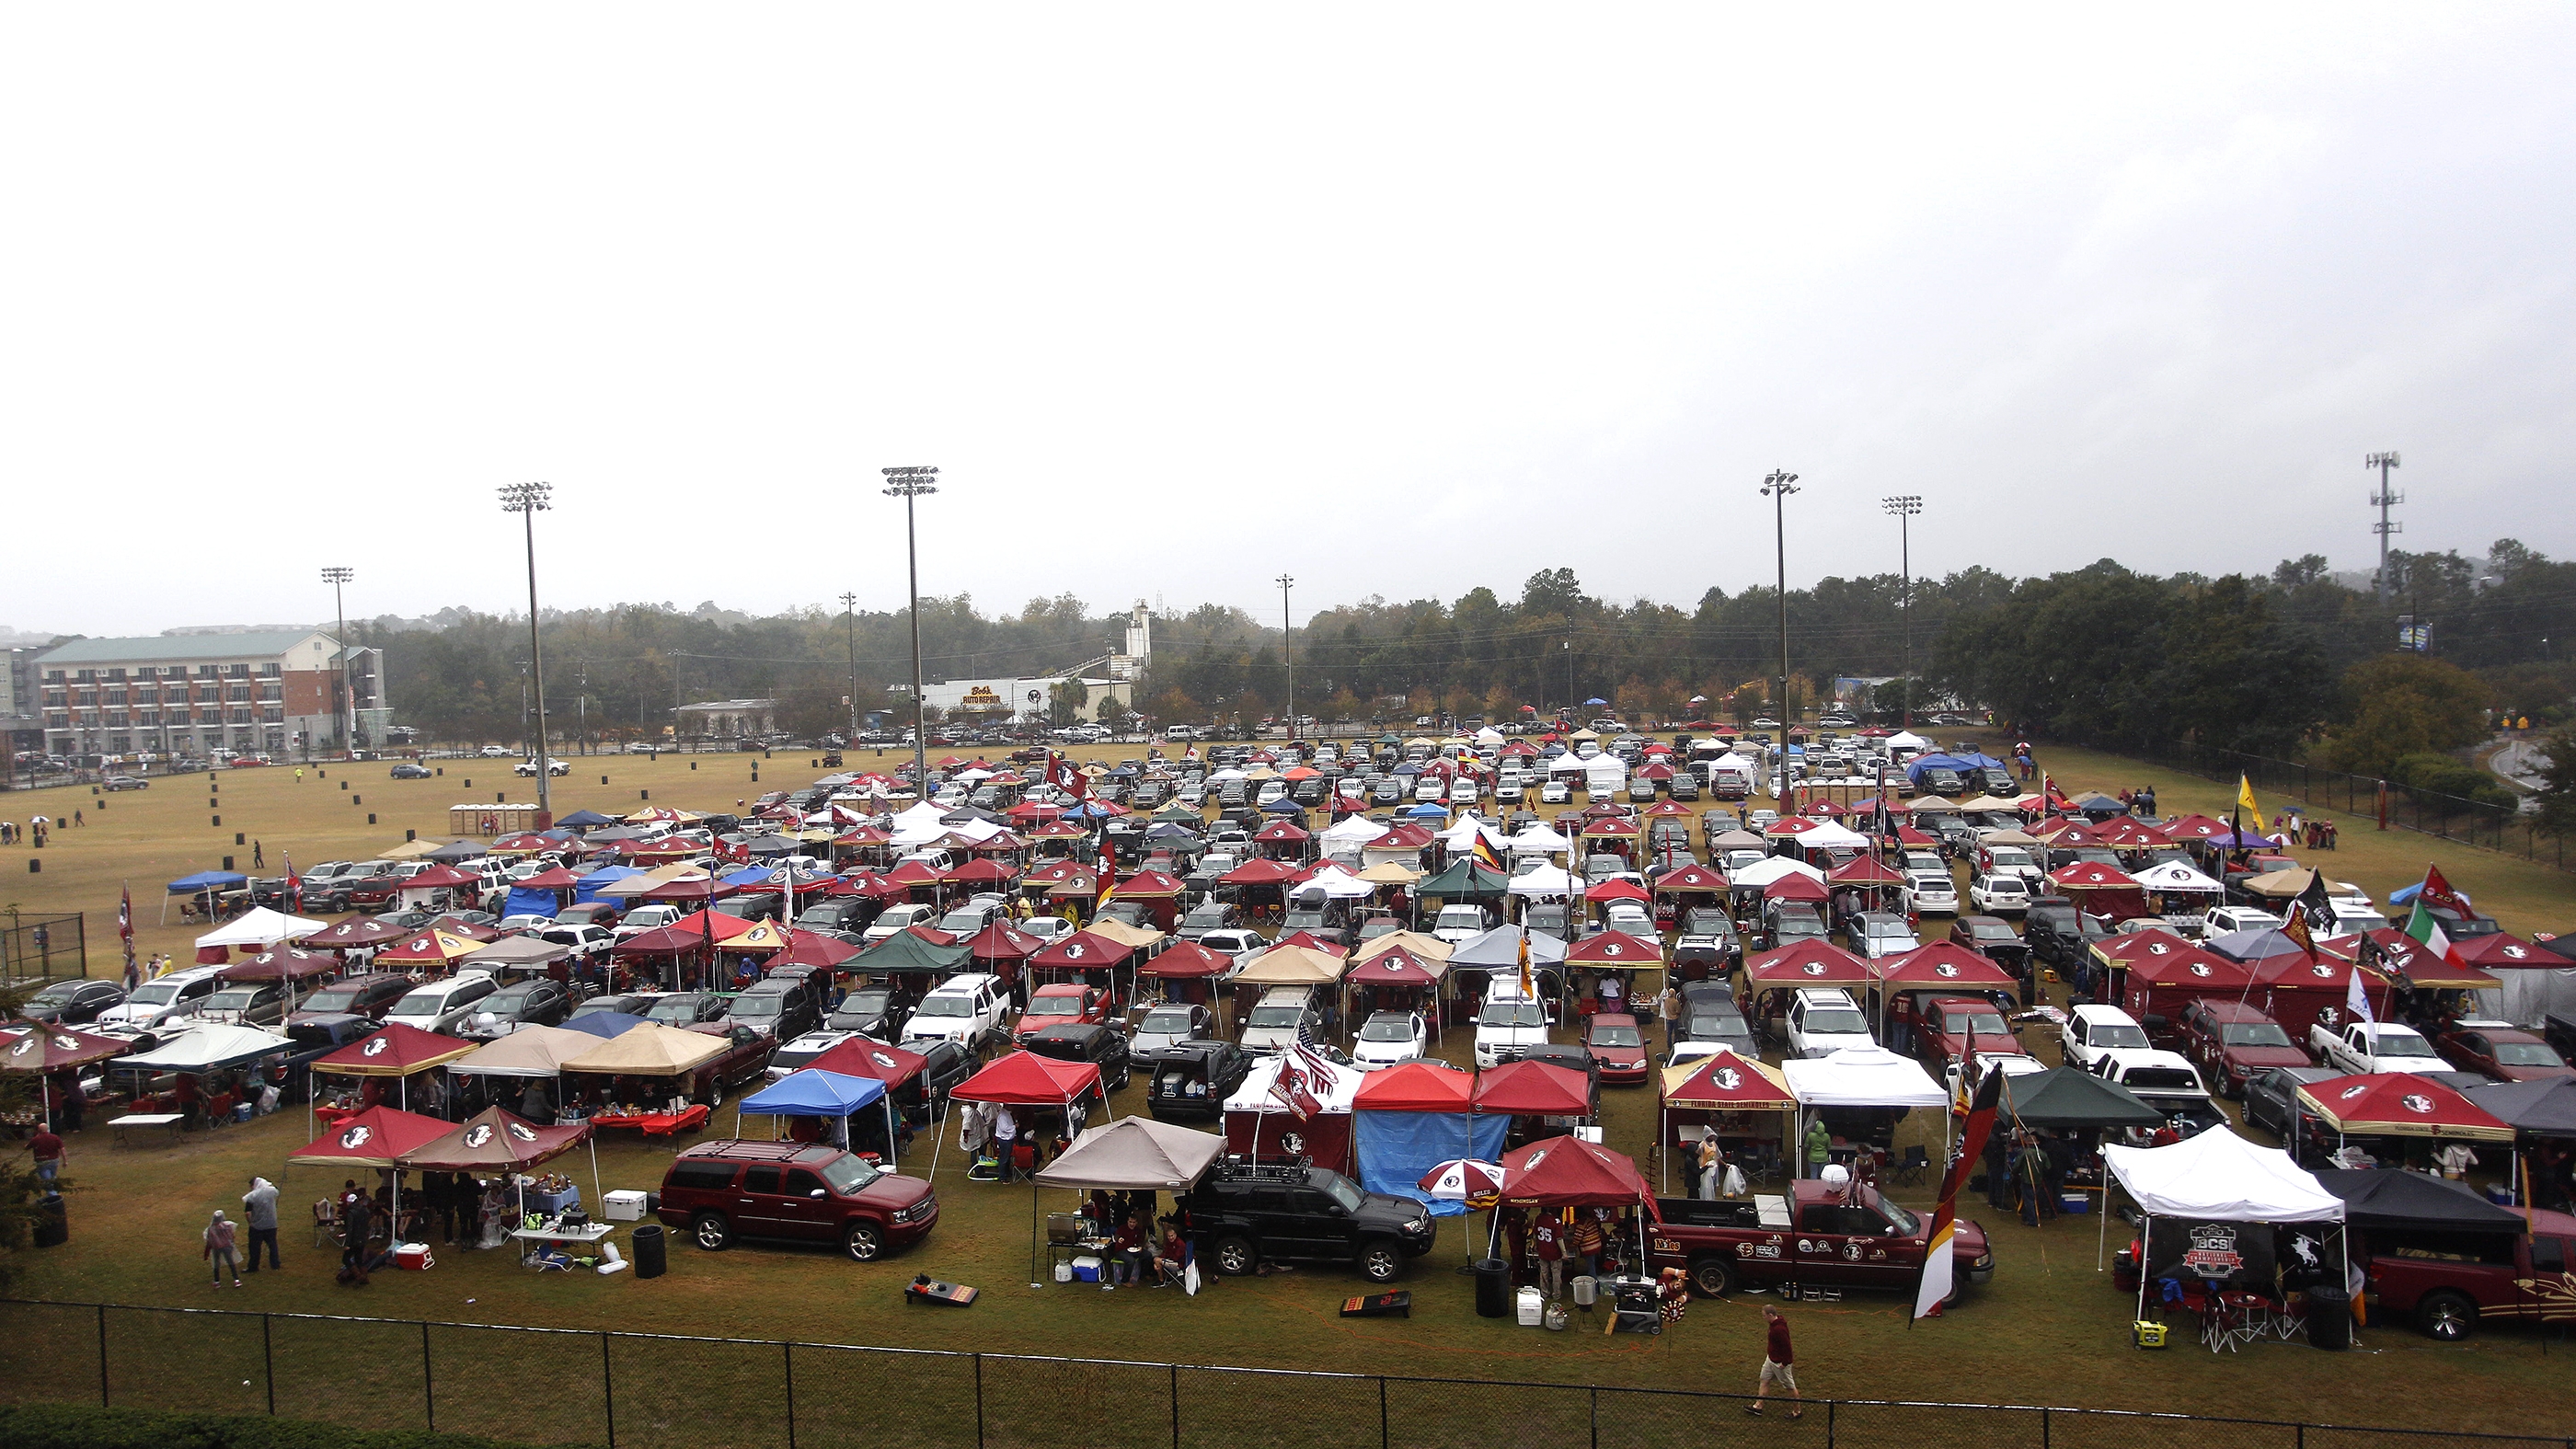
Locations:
{"points": [[2425, 931]]}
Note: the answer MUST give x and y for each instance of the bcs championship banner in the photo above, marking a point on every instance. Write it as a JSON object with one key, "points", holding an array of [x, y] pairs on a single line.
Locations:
{"points": [[2232, 1255]]}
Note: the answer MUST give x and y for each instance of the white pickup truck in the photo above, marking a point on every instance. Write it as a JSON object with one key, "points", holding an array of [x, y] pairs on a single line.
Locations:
{"points": [[2368, 1046]]}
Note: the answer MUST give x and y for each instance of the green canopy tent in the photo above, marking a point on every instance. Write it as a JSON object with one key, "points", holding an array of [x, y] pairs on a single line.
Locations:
{"points": [[2073, 1097], [1467, 880], [913, 949]]}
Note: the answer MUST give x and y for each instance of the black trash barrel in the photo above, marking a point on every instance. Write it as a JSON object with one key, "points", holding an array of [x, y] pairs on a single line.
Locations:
{"points": [[2329, 1317], [53, 1224], [652, 1260], [1493, 1288]]}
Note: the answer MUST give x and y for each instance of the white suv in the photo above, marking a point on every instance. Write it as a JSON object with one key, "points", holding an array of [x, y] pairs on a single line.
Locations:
{"points": [[2093, 1032], [2223, 919], [442, 1006], [1931, 893], [163, 1000], [1823, 1020], [1508, 1024], [965, 1009]]}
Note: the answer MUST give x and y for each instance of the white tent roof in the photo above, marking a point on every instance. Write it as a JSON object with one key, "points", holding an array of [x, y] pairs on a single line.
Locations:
{"points": [[208, 1047], [1352, 830], [1500, 948], [1334, 1093], [1539, 840], [1333, 883], [260, 926], [1606, 766], [1907, 739], [1489, 736], [1224, 776], [1545, 880], [1463, 835], [2177, 875], [1863, 1077], [1770, 868], [1834, 835], [2222, 1176], [1567, 763]]}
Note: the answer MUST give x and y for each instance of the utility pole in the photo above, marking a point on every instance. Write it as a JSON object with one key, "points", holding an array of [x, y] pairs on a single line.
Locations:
{"points": [[528, 500], [1777, 488], [909, 484], [337, 575], [1290, 660], [581, 703], [2383, 500], [1905, 506], [1569, 680], [850, 613]]}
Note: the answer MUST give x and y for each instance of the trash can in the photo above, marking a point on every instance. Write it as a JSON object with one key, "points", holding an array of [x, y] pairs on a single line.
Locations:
{"points": [[53, 1224], [651, 1258], [1493, 1288], [2329, 1317]]}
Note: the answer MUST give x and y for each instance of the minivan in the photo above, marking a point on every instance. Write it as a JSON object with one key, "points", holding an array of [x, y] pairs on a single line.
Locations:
{"points": [[164, 999]]}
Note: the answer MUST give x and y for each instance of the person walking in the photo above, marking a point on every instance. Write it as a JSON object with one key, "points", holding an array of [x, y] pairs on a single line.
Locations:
{"points": [[257, 860], [1779, 1365], [218, 1249], [50, 1153], [259, 1210], [79, 821], [299, 774]]}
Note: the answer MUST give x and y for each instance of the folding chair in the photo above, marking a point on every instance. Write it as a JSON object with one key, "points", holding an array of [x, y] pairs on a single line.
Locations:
{"points": [[1910, 1168], [326, 1224]]}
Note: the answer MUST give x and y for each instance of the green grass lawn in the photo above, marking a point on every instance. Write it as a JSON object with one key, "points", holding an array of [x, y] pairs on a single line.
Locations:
{"points": [[2048, 1330]]}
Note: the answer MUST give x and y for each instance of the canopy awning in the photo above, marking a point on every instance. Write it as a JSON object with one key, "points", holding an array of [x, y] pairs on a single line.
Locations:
{"points": [[395, 1050], [1541, 1089], [530, 1051], [814, 1092], [2399, 1104], [45, 1048], [1862, 1077], [1025, 1079], [1570, 1172], [2412, 1202], [1134, 1154], [259, 926], [376, 1137], [495, 1141], [1725, 1082], [1416, 1087], [2217, 1175], [2073, 1097], [650, 1050], [208, 1048]]}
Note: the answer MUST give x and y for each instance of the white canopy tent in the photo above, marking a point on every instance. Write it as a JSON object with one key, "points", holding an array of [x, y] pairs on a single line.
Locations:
{"points": [[1540, 840], [1351, 830], [261, 927], [205, 1049], [1332, 883], [2178, 876], [1764, 872], [1604, 772], [1835, 836], [1869, 1076], [2218, 1176], [1568, 763], [1544, 881]]}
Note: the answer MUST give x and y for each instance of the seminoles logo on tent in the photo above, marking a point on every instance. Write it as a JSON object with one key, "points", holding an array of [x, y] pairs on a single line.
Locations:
{"points": [[420, 945], [2158, 948], [2199, 968], [2516, 952], [25, 1045], [1294, 1142], [1074, 951], [1814, 968], [66, 1044], [2213, 1251], [1728, 1079], [1944, 968], [1535, 1159], [2417, 1103], [1392, 963], [356, 1137], [375, 1047], [478, 1134], [2355, 1090], [2322, 970], [523, 1132], [1610, 949]]}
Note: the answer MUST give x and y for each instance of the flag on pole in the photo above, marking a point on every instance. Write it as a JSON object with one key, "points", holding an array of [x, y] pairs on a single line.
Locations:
{"points": [[2437, 891], [1108, 877], [1938, 1279], [1529, 987], [125, 932], [294, 887], [2356, 1002], [2426, 931], [1483, 851]]}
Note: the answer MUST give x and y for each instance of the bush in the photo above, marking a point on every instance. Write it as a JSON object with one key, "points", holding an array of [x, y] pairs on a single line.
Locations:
{"points": [[61, 1426], [2443, 775]]}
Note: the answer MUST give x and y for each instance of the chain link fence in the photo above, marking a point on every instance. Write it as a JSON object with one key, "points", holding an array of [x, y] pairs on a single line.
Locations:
{"points": [[36, 948], [2384, 803], [658, 1391]]}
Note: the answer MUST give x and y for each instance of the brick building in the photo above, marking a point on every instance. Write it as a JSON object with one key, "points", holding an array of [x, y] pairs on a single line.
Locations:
{"points": [[181, 694]]}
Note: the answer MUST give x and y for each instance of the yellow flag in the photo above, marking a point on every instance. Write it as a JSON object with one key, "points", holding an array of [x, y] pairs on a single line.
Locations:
{"points": [[2245, 799]]}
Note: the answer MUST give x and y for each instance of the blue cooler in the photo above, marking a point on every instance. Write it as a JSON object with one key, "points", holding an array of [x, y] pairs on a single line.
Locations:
{"points": [[1086, 1269]]}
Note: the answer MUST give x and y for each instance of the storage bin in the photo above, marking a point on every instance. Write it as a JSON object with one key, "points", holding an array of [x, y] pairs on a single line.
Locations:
{"points": [[624, 1206], [1533, 1308]]}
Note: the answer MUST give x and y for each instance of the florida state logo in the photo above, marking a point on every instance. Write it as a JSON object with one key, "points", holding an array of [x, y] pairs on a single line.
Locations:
{"points": [[375, 1047], [356, 1137], [2417, 1103], [478, 1134]]}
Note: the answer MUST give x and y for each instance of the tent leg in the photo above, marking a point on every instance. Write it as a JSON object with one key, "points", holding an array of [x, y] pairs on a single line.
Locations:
{"points": [[2146, 1230], [598, 1192], [2102, 1238]]}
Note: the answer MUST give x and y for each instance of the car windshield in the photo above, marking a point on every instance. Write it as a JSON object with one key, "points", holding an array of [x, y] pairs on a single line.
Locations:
{"points": [[1056, 1003], [846, 1174], [1277, 1015], [511, 999], [2160, 1079], [2407, 1045], [680, 1010], [1344, 1193], [419, 1004], [237, 998], [962, 923], [1512, 1013], [869, 1003], [1387, 1028], [946, 1006], [1616, 1036], [1836, 1021], [1706, 923], [1907, 1223], [1465, 918], [58, 994], [1885, 930], [1990, 931], [1983, 1023], [762, 1004], [156, 993], [2253, 1034], [2003, 855], [2525, 1054], [1165, 1022]]}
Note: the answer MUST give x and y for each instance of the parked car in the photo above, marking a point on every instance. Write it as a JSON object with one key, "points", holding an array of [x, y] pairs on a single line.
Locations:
{"points": [[1189, 1081], [877, 1011], [776, 1008], [2272, 1104], [1169, 1025], [409, 771], [1928, 893], [1282, 1017], [1999, 894], [1707, 945], [73, 1002], [1876, 934], [1061, 1003], [1615, 1041], [968, 1008], [1094, 1042], [252, 1003], [1389, 1037], [541, 1001], [2233, 1042], [2450, 1281], [162, 1000], [1711, 1017], [2500, 1050], [1994, 940], [794, 1192], [1241, 1216], [1809, 1233], [1823, 1020], [114, 783], [2093, 1031], [1509, 1023], [686, 1008]]}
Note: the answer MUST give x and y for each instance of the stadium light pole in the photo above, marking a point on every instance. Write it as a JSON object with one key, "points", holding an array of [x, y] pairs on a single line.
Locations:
{"points": [[336, 575], [1777, 488], [1905, 506], [850, 616], [1286, 657], [909, 484], [528, 500]]}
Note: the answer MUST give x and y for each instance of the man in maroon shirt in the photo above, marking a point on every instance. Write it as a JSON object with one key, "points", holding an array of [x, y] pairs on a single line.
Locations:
{"points": [[1777, 1358], [49, 1152]]}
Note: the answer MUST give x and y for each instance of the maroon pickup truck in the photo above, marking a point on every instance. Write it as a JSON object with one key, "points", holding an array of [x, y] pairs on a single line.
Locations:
{"points": [[2449, 1281], [746, 1058], [1809, 1237]]}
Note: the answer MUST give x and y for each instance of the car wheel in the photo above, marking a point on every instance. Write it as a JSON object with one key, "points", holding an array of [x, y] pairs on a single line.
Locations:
{"points": [[715, 1095], [2447, 1317], [1381, 1261], [1712, 1277], [1958, 1293], [1235, 1257], [711, 1232], [864, 1242]]}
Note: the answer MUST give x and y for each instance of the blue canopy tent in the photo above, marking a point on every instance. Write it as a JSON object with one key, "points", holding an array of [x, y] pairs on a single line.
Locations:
{"points": [[1283, 806], [750, 875], [1429, 812], [815, 1092], [603, 1024], [590, 885], [208, 881], [523, 901], [1589, 703], [1963, 764]]}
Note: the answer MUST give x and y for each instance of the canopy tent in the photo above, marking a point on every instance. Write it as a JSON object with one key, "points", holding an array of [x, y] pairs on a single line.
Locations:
{"points": [[208, 882], [1135, 1154], [494, 1141], [2413, 1202], [1187, 960], [1259, 1124], [394, 1050], [601, 1025], [352, 934], [649, 1050], [429, 948], [1411, 1118], [2545, 1108], [1616, 951], [2220, 1176], [44, 1048], [2399, 1104], [1941, 965], [281, 963], [915, 948], [1557, 1172], [2073, 1097], [1770, 870], [1543, 882], [207, 1049], [821, 1092], [2390, 955], [259, 926], [377, 1137], [530, 1051], [1862, 1077], [1533, 1089], [1290, 966], [515, 951], [1025, 1079], [1468, 879], [1500, 949]]}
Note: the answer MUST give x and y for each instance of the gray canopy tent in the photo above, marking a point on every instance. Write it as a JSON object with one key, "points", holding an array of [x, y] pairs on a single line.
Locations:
{"points": [[1132, 1154]]}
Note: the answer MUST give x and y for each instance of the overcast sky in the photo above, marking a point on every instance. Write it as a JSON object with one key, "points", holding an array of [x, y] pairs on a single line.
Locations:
{"points": [[1397, 299]]}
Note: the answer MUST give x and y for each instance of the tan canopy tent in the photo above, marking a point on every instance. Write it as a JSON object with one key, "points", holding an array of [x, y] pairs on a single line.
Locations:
{"points": [[1429, 948], [515, 951], [1124, 934], [1389, 873], [530, 1051], [662, 875], [650, 1050], [2285, 884], [1290, 966], [1134, 1154], [415, 849]]}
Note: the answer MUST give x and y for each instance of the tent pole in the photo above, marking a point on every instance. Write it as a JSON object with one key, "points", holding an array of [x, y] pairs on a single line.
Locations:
{"points": [[2102, 1238], [2146, 1231], [596, 1190]]}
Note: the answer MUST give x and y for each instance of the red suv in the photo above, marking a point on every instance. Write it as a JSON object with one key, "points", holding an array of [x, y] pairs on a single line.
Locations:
{"points": [[2234, 1043], [1062, 1004], [1613, 1040], [794, 1192]]}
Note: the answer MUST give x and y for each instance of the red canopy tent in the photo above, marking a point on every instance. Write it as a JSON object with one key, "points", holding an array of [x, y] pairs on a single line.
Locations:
{"points": [[1263, 872], [1716, 1087], [1616, 890], [1863, 870], [1024, 1079], [689, 933], [2164, 971], [353, 934], [281, 963], [2194, 827], [979, 871], [1416, 1087], [1533, 1089], [2390, 955], [1941, 965], [2102, 890], [812, 948], [1797, 886], [1002, 942], [1148, 885], [1560, 1172], [376, 1137], [1808, 962], [2498, 951], [1311, 941], [694, 888], [2400, 1104], [1083, 951], [2298, 988], [524, 843], [429, 948], [554, 879], [1691, 879], [474, 931], [859, 1057], [1187, 960]]}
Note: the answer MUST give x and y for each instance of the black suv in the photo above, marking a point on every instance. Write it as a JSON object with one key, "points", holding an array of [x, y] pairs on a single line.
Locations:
{"points": [[1708, 941], [1192, 1080], [1242, 1215], [1085, 1041], [2062, 936], [777, 1008], [875, 1011]]}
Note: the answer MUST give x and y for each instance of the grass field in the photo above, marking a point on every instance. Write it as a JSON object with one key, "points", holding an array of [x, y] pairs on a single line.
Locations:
{"points": [[2048, 1330]]}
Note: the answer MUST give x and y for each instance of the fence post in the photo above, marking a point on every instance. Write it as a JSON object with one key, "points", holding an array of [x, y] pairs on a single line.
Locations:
{"points": [[979, 1403], [1176, 1408], [2301, 1436], [102, 1355], [787, 1351], [268, 1357], [1829, 1424], [2043, 1427], [607, 1391], [428, 1397], [1381, 1412], [1596, 1416]]}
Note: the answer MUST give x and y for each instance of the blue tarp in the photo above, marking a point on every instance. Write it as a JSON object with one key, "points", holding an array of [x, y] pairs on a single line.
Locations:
{"points": [[814, 1093], [588, 890], [205, 880], [750, 875], [1396, 1149], [1915, 768], [604, 1024], [526, 902]]}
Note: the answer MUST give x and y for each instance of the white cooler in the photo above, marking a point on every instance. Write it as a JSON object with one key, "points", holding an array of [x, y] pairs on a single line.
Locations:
{"points": [[1533, 1308], [623, 1207]]}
